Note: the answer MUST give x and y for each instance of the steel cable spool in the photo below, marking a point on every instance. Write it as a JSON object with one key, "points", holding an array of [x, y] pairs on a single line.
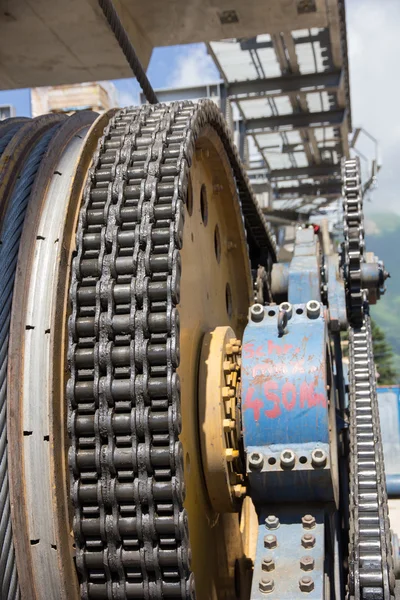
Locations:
{"points": [[8, 128], [10, 237], [38, 479]]}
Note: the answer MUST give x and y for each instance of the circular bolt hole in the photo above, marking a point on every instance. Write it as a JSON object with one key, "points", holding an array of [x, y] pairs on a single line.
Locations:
{"points": [[189, 199], [271, 313], [272, 460], [217, 244], [204, 204], [228, 300], [299, 311], [303, 459]]}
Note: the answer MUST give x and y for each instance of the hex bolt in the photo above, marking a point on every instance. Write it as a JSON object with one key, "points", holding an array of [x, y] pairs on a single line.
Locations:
{"points": [[307, 563], [266, 585], [308, 540], [308, 522], [288, 308], [272, 522], [268, 563], [306, 584], [257, 313], [270, 541], [313, 309], [318, 457], [256, 461], [288, 459]]}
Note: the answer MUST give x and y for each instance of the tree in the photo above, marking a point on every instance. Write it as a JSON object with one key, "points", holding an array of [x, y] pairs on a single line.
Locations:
{"points": [[383, 355]]}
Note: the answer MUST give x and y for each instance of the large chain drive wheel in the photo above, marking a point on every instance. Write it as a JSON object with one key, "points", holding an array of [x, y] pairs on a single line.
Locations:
{"points": [[161, 260]]}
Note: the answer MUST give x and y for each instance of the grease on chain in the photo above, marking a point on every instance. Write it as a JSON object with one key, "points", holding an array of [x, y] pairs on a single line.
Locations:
{"points": [[125, 458]]}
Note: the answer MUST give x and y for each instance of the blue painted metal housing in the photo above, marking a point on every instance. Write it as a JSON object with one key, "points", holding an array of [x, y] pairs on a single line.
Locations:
{"points": [[336, 295], [304, 269], [287, 553], [285, 404]]}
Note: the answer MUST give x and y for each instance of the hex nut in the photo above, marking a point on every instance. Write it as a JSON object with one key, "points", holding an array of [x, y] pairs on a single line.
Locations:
{"points": [[268, 564], [306, 584], [318, 458], [307, 563], [256, 460], [272, 522], [287, 458], [257, 313], [308, 522], [270, 541], [266, 585], [313, 309], [308, 540]]}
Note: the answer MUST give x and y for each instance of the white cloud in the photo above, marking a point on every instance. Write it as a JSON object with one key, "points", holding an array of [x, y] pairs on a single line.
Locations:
{"points": [[374, 47], [194, 67]]}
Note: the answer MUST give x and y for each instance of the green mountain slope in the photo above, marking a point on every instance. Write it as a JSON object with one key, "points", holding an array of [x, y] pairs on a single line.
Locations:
{"points": [[383, 238]]}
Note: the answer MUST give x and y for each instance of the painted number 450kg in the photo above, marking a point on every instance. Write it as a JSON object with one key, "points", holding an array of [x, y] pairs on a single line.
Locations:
{"points": [[284, 399]]}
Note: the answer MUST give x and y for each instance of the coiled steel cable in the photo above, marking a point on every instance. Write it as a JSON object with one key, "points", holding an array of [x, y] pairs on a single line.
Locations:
{"points": [[6, 138], [114, 22], [10, 238]]}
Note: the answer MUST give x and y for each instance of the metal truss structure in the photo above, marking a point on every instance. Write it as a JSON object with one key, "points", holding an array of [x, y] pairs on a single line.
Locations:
{"points": [[286, 95]]}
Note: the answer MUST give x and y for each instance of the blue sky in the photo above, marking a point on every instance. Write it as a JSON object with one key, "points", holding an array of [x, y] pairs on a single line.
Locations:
{"points": [[172, 66]]}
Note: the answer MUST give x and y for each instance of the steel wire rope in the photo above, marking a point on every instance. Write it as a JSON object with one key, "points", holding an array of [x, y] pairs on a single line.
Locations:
{"points": [[10, 237], [6, 138], [118, 29]]}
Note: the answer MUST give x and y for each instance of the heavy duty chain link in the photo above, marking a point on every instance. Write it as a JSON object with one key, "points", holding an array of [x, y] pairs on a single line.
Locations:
{"points": [[353, 238], [126, 461], [371, 575]]}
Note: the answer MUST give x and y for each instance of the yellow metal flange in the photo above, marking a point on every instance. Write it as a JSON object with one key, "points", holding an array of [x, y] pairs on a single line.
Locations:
{"points": [[215, 291], [219, 419]]}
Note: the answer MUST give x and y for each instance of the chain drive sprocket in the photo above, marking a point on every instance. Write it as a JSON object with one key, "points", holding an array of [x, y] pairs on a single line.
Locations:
{"points": [[371, 575], [126, 461]]}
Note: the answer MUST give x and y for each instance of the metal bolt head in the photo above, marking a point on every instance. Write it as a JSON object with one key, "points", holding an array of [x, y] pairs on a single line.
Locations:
{"points": [[257, 313], [270, 541], [313, 309], [256, 461], [266, 585], [288, 308], [318, 457], [239, 490], [272, 522], [308, 540], [268, 563], [308, 522], [287, 458], [307, 563], [306, 584]]}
